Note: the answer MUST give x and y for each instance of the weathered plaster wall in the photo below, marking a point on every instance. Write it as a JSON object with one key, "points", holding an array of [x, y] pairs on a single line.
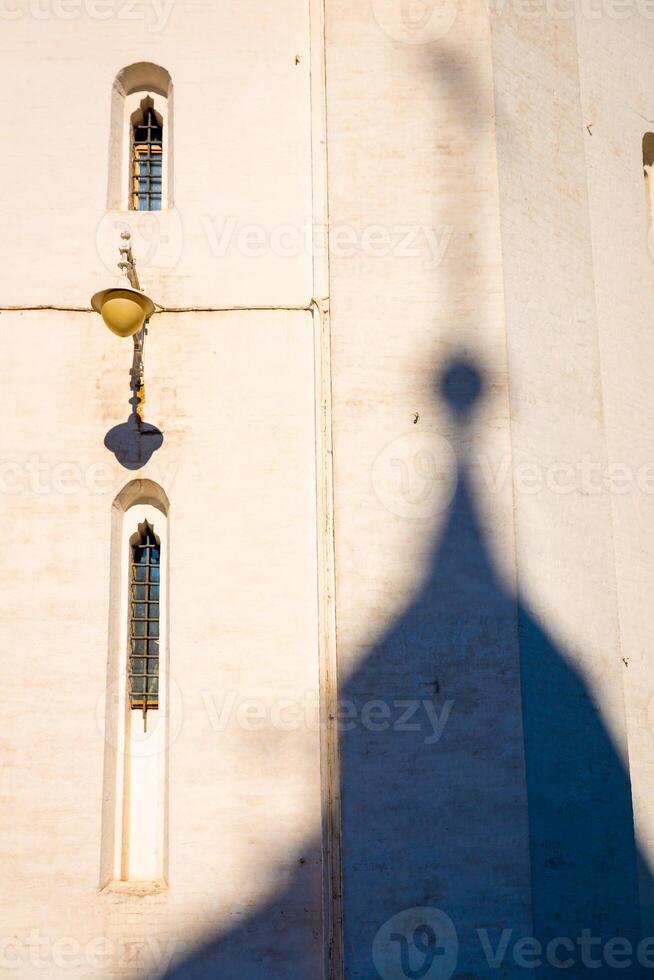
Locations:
{"points": [[242, 150], [426, 610], [616, 65], [235, 396], [552, 823], [583, 853], [488, 230]]}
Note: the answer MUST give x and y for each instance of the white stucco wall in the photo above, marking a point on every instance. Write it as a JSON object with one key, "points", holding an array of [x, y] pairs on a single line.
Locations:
{"points": [[235, 395], [242, 632], [487, 209], [616, 100]]}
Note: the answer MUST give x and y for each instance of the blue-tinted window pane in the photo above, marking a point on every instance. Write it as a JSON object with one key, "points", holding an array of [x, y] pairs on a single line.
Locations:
{"points": [[144, 621], [147, 161]]}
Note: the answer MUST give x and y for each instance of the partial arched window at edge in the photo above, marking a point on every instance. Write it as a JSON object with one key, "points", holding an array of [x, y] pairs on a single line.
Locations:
{"points": [[648, 170]]}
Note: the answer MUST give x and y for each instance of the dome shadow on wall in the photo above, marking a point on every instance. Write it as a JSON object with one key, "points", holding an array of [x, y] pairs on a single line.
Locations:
{"points": [[500, 806], [133, 442], [461, 385]]}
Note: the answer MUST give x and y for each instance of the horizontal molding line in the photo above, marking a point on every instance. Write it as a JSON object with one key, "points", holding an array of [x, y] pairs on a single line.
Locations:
{"points": [[228, 309], [46, 306], [173, 309]]}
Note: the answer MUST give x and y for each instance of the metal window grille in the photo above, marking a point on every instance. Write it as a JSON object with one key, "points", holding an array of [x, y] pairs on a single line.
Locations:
{"points": [[147, 162], [143, 667]]}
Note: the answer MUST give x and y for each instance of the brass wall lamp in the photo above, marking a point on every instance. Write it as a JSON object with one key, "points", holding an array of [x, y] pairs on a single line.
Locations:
{"points": [[126, 312]]}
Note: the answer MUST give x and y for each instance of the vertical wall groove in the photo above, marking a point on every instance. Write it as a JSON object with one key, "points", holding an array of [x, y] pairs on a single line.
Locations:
{"points": [[330, 770]]}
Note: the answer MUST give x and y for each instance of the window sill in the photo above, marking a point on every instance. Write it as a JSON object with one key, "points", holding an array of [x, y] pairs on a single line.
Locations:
{"points": [[138, 888]]}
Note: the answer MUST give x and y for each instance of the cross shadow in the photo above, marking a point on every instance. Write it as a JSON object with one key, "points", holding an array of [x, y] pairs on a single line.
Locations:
{"points": [[513, 812]]}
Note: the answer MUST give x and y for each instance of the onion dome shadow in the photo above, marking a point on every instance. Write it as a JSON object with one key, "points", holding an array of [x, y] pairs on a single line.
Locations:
{"points": [[489, 789]]}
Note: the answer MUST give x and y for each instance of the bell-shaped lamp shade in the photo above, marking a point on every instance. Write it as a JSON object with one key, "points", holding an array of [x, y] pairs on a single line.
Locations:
{"points": [[124, 310]]}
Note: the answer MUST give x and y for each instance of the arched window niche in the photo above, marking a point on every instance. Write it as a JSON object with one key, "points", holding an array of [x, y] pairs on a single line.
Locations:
{"points": [[134, 853], [141, 139]]}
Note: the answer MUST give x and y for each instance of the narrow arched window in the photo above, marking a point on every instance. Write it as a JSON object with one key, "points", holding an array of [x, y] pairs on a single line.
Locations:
{"points": [[143, 667], [147, 158], [135, 810], [141, 139]]}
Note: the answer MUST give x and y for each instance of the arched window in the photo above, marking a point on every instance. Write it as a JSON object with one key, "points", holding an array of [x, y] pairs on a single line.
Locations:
{"points": [[147, 157], [137, 706], [144, 596], [141, 139]]}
